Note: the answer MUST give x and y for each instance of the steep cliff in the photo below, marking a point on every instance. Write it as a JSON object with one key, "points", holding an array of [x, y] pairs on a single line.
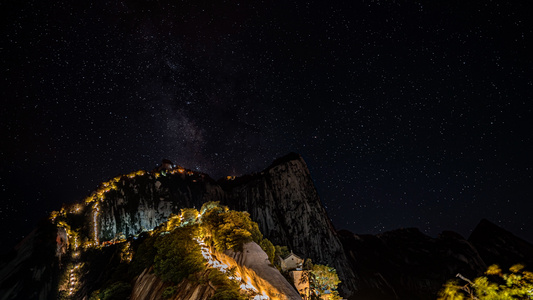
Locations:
{"points": [[283, 201], [142, 202]]}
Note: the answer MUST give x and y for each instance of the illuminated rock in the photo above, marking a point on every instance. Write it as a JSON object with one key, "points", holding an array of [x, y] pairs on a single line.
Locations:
{"points": [[255, 268]]}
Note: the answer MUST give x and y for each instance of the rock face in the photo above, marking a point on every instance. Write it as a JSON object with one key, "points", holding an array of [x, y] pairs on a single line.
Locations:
{"points": [[149, 287], [143, 202], [285, 204], [254, 265]]}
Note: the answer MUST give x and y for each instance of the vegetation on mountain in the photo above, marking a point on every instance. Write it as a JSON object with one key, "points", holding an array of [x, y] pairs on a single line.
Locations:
{"points": [[323, 280], [226, 289], [281, 251], [178, 255], [518, 284], [226, 229], [117, 290], [269, 249]]}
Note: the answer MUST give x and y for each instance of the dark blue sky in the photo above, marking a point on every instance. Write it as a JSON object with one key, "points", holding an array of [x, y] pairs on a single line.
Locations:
{"points": [[408, 113]]}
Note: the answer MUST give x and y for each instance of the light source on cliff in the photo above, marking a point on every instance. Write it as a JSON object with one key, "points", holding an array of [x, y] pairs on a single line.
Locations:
{"points": [[76, 209], [231, 272], [96, 209]]}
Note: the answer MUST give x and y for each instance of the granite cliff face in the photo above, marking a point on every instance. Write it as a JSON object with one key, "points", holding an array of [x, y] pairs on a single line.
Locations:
{"points": [[143, 202], [285, 204]]}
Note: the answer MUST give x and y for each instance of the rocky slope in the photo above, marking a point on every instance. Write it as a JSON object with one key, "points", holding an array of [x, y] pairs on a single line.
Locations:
{"points": [[254, 267], [143, 202], [149, 287]]}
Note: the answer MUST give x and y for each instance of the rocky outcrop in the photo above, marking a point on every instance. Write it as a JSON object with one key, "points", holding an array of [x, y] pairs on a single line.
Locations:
{"points": [[251, 266], [254, 267], [149, 287]]}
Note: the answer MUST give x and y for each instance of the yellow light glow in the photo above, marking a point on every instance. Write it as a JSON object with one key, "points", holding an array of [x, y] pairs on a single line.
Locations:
{"points": [[246, 285], [95, 222]]}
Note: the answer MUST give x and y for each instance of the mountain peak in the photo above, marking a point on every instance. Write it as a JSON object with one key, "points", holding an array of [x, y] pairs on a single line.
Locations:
{"points": [[285, 159], [499, 246]]}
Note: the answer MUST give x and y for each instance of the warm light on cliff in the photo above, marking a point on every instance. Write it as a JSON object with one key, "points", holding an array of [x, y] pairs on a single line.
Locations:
{"points": [[246, 284], [96, 209]]}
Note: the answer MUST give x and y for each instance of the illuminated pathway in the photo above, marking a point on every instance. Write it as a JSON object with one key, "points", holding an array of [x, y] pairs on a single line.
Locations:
{"points": [[214, 263]]}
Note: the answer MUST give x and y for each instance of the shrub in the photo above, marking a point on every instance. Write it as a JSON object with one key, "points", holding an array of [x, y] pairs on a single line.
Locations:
{"points": [[169, 292], [143, 257], [178, 255], [269, 249], [117, 291], [496, 285], [226, 289]]}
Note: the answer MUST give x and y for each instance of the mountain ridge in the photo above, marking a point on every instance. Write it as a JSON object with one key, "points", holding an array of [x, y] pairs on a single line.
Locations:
{"points": [[283, 200]]}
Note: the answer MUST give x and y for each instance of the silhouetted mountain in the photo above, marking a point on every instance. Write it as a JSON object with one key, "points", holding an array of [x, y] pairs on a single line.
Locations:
{"points": [[499, 246], [406, 264]]}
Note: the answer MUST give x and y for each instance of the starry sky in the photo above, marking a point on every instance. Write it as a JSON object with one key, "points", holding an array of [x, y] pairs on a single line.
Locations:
{"points": [[408, 113]]}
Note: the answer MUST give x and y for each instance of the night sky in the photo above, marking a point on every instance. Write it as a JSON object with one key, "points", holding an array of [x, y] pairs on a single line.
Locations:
{"points": [[408, 113]]}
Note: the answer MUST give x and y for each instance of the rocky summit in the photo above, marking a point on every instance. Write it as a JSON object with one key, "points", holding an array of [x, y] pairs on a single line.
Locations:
{"points": [[282, 199]]}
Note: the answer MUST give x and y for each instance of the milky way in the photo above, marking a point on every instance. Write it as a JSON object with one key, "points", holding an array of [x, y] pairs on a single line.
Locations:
{"points": [[408, 114]]}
